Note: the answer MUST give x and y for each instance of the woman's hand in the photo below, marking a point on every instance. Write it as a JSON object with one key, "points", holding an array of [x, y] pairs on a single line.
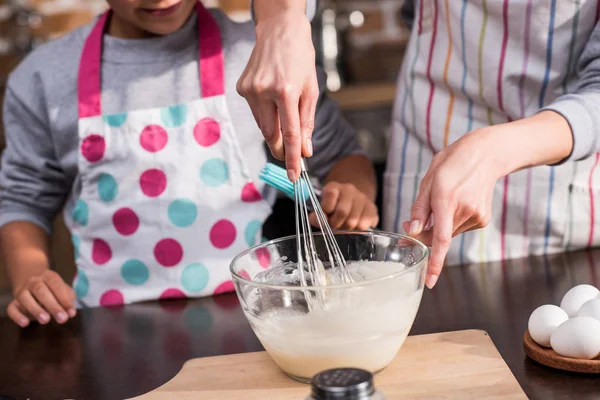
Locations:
{"points": [[347, 207], [457, 192], [280, 81], [458, 189], [41, 298]]}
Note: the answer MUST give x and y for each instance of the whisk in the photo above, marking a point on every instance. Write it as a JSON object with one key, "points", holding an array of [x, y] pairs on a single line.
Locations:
{"points": [[308, 259]]}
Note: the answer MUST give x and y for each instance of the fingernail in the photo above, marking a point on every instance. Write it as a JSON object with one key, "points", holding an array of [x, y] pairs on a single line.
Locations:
{"points": [[23, 322], [61, 317], [309, 147], [291, 175], [72, 312], [431, 281], [415, 228], [429, 223], [43, 318]]}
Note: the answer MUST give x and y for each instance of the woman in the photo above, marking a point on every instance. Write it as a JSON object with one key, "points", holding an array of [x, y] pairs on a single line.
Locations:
{"points": [[497, 105]]}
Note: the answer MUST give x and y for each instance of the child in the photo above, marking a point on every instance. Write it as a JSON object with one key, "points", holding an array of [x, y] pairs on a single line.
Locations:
{"points": [[133, 124]]}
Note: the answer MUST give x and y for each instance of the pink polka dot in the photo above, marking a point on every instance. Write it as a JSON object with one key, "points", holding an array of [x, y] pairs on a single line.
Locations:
{"points": [[250, 193], [244, 274], [222, 234], [224, 287], [111, 297], [264, 257], [101, 252], [172, 294], [126, 221], [153, 138], [153, 182], [168, 252], [207, 132], [93, 148]]}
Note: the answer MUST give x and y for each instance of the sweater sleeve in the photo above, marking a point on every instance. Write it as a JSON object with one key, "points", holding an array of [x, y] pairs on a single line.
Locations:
{"points": [[581, 108], [32, 184], [311, 9]]}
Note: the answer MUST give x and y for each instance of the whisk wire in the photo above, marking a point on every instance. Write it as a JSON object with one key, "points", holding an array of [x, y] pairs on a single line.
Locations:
{"points": [[304, 191]]}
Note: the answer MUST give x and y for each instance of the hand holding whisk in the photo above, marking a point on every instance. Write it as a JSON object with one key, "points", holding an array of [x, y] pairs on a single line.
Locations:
{"points": [[307, 253]]}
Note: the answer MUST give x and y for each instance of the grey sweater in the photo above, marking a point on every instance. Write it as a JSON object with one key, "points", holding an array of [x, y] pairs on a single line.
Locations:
{"points": [[39, 166]]}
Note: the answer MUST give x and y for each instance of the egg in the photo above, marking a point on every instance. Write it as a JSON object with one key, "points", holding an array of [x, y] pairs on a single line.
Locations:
{"points": [[590, 308], [577, 337], [574, 298], [543, 321]]}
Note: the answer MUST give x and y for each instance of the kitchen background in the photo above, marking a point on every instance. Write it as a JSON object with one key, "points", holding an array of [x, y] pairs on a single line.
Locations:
{"points": [[359, 43]]}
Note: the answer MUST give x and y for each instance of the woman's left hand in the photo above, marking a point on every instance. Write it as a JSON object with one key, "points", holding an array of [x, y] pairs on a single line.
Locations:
{"points": [[456, 192], [347, 207]]}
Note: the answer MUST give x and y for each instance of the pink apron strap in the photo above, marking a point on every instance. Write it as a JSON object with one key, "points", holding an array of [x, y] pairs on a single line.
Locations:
{"points": [[212, 70], [88, 87], [211, 64]]}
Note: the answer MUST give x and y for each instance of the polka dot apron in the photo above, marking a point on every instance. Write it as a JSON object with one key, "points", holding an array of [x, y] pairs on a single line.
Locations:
{"points": [[166, 199]]}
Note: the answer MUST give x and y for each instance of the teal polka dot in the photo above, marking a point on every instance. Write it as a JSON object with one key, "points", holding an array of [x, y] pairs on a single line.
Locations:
{"points": [[214, 172], [75, 240], [115, 120], [194, 277], [81, 213], [107, 187], [251, 232], [135, 272], [182, 212], [82, 285], [174, 116]]}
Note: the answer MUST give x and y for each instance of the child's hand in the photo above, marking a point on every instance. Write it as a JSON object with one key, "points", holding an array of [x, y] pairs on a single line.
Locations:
{"points": [[347, 208], [40, 297]]}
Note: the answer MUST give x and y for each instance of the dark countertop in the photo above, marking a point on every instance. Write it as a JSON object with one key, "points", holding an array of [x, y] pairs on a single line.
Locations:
{"points": [[119, 353]]}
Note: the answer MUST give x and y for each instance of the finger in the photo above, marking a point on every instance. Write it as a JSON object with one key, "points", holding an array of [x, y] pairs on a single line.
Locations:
{"points": [[30, 304], [330, 199], [442, 236], [342, 211], [308, 106], [289, 115], [421, 210], [255, 108], [17, 315], [46, 299], [63, 293], [358, 207], [270, 127], [369, 218], [314, 221]]}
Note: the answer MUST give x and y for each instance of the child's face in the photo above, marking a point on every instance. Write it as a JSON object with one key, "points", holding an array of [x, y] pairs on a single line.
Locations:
{"points": [[140, 18]]}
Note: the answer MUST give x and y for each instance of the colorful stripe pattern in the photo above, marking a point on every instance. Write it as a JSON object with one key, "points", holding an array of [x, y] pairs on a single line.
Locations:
{"points": [[429, 78], [407, 93], [481, 50], [522, 115], [541, 104]]}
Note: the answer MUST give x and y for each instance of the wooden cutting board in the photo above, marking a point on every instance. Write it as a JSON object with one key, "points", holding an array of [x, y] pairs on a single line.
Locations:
{"points": [[454, 365]]}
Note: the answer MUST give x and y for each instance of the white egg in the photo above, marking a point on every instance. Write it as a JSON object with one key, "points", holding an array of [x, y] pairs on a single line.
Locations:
{"points": [[590, 308], [543, 321], [574, 298], [577, 337]]}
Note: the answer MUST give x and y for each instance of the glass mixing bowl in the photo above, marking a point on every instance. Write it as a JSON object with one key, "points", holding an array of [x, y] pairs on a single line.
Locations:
{"points": [[308, 329]]}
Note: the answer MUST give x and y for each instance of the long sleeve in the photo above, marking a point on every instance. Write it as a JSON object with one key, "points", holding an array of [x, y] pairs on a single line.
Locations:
{"points": [[582, 108], [32, 184], [311, 8]]}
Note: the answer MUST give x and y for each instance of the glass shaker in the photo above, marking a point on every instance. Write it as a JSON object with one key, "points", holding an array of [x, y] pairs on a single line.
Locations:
{"points": [[344, 383]]}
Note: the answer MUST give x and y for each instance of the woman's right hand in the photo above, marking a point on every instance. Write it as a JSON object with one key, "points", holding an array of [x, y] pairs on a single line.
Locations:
{"points": [[280, 81], [42, 298]]}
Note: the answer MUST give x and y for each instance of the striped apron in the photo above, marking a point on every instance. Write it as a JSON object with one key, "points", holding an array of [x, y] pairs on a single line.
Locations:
{"points": [[475, 63]]}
